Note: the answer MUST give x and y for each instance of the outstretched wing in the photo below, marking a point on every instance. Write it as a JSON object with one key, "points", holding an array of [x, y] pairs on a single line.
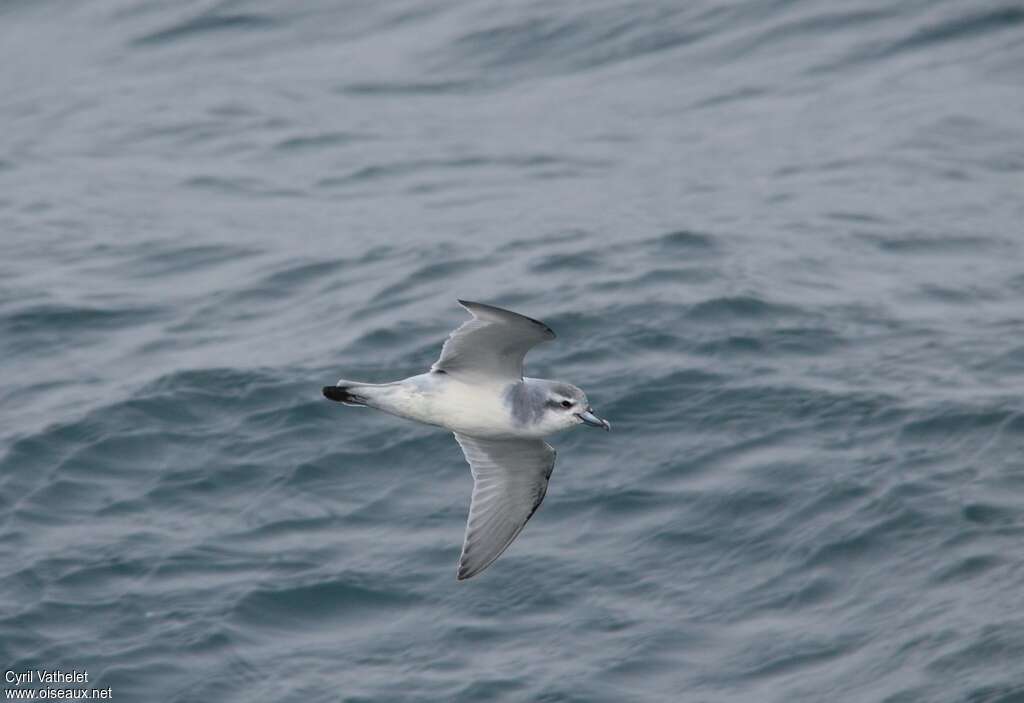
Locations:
{"points": [[492, 344], [510, 478]]}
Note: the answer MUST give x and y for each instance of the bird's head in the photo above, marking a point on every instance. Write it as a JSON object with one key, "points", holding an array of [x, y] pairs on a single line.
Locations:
{"points": [[566, 405]]}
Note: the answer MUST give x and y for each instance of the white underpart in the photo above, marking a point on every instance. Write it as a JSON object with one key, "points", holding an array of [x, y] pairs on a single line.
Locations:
{"points": [[474, 409]]}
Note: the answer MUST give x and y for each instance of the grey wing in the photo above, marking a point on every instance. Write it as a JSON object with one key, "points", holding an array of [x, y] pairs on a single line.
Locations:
{"points": [[492, 344], [510, 478]]}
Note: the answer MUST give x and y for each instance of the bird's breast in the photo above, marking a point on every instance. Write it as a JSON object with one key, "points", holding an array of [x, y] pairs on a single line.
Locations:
{"points": [[477, 410]]}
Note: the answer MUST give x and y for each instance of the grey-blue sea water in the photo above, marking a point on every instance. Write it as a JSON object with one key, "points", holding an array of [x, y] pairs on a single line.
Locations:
{"points": [[780, 242]]}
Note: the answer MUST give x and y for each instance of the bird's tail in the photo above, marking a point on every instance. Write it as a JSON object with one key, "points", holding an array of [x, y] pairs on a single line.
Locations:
{"points": [[350, 392]]}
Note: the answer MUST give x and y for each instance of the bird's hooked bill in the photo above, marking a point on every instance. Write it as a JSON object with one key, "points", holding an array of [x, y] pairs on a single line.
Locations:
{"points": [[589, 418]]}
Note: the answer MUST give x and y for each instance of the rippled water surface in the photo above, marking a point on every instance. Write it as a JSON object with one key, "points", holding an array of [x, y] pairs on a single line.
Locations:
{"points": [[780, 242]]}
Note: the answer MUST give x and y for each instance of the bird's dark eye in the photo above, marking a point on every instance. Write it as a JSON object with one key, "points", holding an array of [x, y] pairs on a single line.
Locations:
{"points": [[566, 403]]}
